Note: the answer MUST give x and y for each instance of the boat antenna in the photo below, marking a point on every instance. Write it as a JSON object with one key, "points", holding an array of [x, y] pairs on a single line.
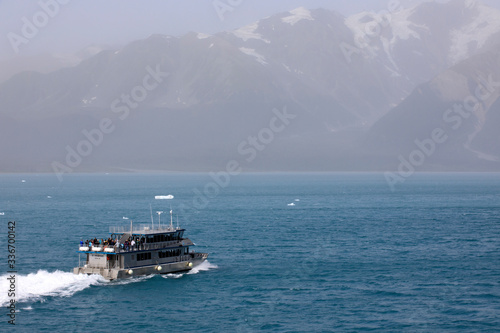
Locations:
{"points": [[177, 221], [165, 197], [151, 211], [159, 214], [171, 225]]}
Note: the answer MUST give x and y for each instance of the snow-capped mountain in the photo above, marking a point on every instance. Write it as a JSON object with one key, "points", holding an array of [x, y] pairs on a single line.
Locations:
{"points": [[338, 75], [462, 103], [420, 41]]}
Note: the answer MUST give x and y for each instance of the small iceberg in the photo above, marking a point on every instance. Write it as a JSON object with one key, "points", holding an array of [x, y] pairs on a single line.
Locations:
{"points": [[2, 213], [291, 204], [49, 197], [163, 197], [297, 199], [23, 181]]}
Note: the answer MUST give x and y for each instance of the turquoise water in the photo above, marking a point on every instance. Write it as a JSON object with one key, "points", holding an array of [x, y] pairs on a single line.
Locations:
{"points": [[350, 255]]}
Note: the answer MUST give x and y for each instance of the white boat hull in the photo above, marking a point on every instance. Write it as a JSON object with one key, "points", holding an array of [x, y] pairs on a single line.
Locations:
{"points": [[117, 273]]}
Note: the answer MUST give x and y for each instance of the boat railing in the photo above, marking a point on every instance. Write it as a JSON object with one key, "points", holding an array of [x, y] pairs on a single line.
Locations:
{"points": [[148, 246], [141, 229], [97, 248], [196, 255], [129, 248], [83, 263]]}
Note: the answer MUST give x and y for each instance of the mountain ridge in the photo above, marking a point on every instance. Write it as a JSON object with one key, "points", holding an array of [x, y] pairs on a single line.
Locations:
{"points": [[226, 84]]}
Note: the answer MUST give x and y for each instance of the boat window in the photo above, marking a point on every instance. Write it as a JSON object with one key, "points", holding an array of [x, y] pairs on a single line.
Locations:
{"points": [[170, 253], [143, 256], [165, 237]]}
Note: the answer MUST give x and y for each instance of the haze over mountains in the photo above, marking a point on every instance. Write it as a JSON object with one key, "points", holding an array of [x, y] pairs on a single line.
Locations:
{"points": [[316, 90]]}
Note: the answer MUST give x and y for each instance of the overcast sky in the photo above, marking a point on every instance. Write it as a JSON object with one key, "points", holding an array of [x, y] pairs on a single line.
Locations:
{"points": [[78, 24]]}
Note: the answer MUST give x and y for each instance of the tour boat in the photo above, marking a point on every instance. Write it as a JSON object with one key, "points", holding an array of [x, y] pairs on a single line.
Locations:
{"points": [[140, 250]]}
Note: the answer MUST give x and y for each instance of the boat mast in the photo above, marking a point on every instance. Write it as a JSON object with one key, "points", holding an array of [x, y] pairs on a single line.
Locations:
{"points": [[159, 218], [171, 225], [151, 211]]}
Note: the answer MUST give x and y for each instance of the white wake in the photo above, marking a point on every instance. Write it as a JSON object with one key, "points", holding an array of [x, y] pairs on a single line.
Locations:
{"points": [[204, 266], [37, 286]]}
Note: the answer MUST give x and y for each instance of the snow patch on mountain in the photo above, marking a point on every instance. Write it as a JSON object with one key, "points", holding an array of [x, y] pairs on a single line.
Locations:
{"points": [[368, 26], [249, 32], [251, 52], [402, 28], [358, 23], [298, 14], [475, 34], [203, 36]]}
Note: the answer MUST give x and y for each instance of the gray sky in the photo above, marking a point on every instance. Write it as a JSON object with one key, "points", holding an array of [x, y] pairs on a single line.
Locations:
{"points": [[78, 24]]}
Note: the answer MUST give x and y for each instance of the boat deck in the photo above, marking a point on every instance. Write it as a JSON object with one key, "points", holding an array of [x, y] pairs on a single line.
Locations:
{"points": [[136, 248]]}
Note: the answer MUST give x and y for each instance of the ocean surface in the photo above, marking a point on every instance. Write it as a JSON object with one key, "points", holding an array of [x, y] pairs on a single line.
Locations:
{"points": [[349, 255]]}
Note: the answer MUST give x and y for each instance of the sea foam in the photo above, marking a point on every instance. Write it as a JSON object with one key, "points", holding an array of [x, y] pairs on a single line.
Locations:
{"points": [[37, 286], [204, 266]]}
